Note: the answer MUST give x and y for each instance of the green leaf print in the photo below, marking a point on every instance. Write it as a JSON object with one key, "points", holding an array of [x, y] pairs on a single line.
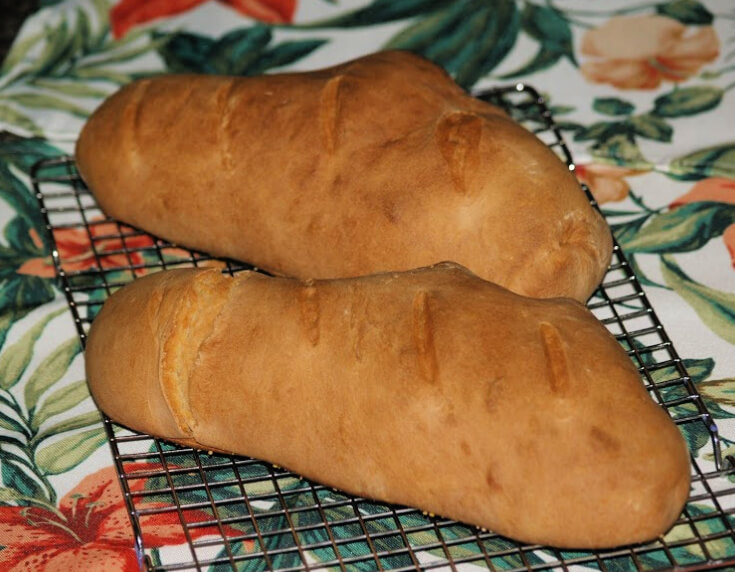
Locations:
{"points": [[685, 541], [688, 101], [46, 101], [50, 370], [716, 161], [551, 30], [10, 424], [71, 88], [19, 50], [236, 51], [424, 35], [76, 48], [77, 422], [20, 241], [23, 153], [187, 53], [549, 26], [600, 131], [58, 49], [18, 197], [65, 454], [23, 293], [60, 401], [467, 48], [284, 54], [651, 127], [7, 317], [621, 149], [243, 51], [22, 120], [626, 231], [682, 229], [714, 307], [16, 477], [686, 11], [543, 59], [118, 53], [15, 358], [29, 427], [721, 391], [380, 12], [612, 106]]}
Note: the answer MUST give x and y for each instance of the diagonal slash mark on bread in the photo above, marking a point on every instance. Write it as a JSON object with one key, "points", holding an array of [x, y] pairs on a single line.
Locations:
{"points": [[559, 379], [423, 336], [329, 111], [131, 122], [183, 336], [226, 103], [458, 138], [309, 311]]}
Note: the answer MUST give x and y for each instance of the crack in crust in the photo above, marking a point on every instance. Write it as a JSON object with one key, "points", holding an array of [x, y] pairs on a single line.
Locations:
{"points": [[226, 101], [329, 111], [559, 378], [310, 311], [188, 327], [423, 336], [458, 137]]}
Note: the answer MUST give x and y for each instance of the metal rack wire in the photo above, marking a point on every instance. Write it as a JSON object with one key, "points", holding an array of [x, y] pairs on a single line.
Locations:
{"points": [[244, 514]]}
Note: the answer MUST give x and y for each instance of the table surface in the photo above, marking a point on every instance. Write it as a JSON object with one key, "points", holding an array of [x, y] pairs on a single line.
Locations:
{"points": [[643, 94]]}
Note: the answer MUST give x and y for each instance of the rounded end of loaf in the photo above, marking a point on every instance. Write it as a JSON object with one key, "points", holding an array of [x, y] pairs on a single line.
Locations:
{"points": [[137, 348], [573, 263], [630, 501], [95, 150], [606, 464], [561, 244]]}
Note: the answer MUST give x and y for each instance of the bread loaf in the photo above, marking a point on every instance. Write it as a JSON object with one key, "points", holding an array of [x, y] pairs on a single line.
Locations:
{"points": [[379, 164], [430, 388]]}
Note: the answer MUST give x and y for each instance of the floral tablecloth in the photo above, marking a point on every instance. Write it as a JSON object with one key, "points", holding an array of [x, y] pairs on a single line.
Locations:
{"points": [[643, 92]]}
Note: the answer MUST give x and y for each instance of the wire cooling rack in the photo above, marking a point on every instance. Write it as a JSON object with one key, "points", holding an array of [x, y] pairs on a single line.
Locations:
{"points": [[244, 514]]}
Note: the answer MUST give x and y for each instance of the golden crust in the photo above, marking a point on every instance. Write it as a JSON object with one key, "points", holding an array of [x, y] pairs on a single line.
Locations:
{"points": [[430, 388], [378, 164]]}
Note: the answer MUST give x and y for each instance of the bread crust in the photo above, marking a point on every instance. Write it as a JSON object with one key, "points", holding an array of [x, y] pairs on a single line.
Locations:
{"points": [[430, 388], [379, 164]]}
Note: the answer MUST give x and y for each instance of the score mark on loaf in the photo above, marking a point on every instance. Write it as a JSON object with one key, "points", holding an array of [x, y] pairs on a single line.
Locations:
{"points": [[378, 164], [430, 388]]}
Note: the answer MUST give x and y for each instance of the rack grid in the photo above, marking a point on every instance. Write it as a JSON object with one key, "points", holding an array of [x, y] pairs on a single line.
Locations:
{"points": [[245, 514]]}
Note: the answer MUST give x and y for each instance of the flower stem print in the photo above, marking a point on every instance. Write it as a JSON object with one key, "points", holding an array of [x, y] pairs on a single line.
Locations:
{"points": [[37, 441]]}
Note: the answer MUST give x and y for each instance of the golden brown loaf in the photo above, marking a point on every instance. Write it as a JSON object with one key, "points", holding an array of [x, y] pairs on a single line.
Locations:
{"points": [[382, 163], [430, 388]]}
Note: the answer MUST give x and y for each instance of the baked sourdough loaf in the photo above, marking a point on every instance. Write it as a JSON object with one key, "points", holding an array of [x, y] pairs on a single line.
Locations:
{"points": [[380, 164], [430, 388]]}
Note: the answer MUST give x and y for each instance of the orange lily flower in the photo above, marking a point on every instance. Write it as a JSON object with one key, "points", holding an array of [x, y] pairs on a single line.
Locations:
{"points": [[129, 13], [76, 252], [89, 530]]}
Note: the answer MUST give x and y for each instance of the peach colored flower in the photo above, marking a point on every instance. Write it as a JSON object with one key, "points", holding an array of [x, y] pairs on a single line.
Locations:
{"points": [[606, 182], [90, 529], [639, 52], [718, 190], [129, 13], [77, 253]]}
